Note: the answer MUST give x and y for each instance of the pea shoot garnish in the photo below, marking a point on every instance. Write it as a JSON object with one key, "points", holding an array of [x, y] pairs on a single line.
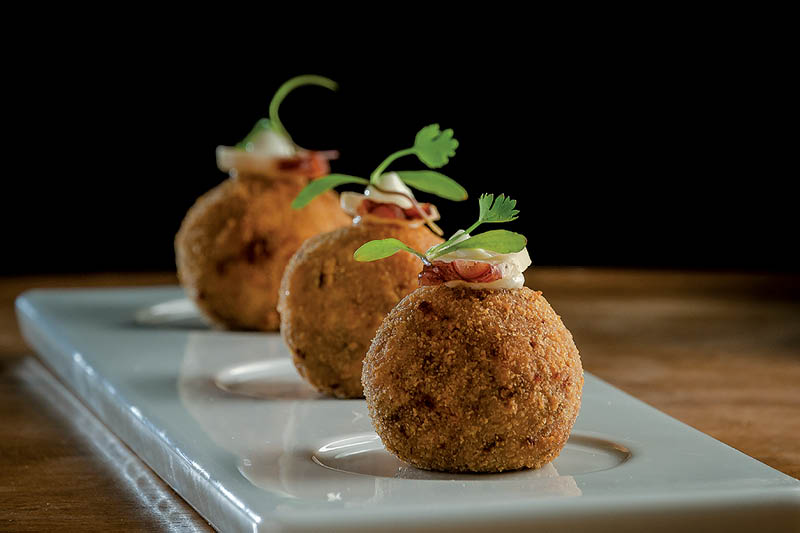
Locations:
{"points": [[432, 146], [492, 210], [273, 123]]}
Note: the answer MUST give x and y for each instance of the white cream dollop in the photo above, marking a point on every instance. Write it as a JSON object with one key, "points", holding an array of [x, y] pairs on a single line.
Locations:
{"points": [[390, 182], [512, 266], [351, 201], [266, 144]]}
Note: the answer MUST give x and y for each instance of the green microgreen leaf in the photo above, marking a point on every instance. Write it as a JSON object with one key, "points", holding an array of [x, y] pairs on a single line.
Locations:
{"points": [[431, 146], [490, 210], [434, 183], [500, 210], [379, 249], [319, 186], [434, 147], [499, 240]]}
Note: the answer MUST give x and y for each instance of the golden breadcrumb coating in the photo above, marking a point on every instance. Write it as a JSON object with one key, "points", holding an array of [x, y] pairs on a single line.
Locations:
{"points": [[237, 239], [330, 304], [465, 380]]}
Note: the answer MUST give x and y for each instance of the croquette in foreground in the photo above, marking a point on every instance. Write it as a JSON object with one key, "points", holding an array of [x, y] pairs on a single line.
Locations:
{"points": [[473, 380], [331, 305], [237, 239]]}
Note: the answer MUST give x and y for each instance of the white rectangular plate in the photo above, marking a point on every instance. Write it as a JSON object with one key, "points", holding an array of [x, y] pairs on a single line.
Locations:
{"points": [[226, 421]]}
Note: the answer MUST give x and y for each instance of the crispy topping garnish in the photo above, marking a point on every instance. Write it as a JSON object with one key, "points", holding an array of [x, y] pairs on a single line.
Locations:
{"points": [[440, 272], [386, 210], [307, 163]]}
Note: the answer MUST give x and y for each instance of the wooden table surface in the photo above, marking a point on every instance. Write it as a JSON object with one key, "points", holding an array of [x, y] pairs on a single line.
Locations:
{"points": [[718, 351]]}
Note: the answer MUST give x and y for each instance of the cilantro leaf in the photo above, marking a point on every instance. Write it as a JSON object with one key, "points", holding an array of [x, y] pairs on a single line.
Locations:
{"points": [[500, 210], [434, 147], [433, 182], [431, 146], [317, 187], [381, 248], [501, 241], [498, 240]]}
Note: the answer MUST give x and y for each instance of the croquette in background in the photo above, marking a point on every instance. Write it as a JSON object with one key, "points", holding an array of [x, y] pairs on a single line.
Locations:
{"points": [[237, 239], [331, 305]]}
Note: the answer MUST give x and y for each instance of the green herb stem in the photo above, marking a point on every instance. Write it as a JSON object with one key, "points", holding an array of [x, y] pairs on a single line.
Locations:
{"points": [[286, 88], [474, 226], [443, 249], [440, 250], [388, 161]]}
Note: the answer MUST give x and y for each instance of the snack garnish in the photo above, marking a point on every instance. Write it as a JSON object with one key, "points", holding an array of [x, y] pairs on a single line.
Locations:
{"points": [[269, 139], [387, 195], [493, 259]]}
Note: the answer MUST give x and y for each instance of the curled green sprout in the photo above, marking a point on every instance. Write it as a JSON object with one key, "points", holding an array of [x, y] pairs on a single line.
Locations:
{"points": [[274, 123]]}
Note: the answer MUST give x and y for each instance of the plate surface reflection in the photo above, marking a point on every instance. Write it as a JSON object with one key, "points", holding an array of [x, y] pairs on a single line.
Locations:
{"points": [[291, 440]]}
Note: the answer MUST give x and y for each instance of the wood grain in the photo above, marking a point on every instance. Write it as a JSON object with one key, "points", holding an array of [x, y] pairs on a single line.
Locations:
{"points": [[719, 351], [60, 468]]}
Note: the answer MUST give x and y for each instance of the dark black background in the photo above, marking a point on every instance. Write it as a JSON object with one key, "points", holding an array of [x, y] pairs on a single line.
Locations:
{"points": [[645, 154]]}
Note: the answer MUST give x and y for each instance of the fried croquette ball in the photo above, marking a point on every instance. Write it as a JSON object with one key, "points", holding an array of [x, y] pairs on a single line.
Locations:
{"points": [[236, 240], [473, 380], [331, 305]]}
